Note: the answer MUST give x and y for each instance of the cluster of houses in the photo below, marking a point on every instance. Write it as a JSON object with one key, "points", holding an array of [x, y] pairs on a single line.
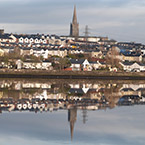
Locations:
{"points": [[85, 65], [76, 65], [130, 55]]}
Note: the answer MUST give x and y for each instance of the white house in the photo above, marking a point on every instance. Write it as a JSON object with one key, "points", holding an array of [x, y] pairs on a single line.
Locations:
{"points": [[21, 40], [45, 65], [133, 66], [80, 64], [19, 64], [95, 65]]}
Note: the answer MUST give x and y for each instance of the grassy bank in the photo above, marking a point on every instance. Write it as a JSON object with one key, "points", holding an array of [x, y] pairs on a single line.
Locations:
{"points": [[8, 73]]}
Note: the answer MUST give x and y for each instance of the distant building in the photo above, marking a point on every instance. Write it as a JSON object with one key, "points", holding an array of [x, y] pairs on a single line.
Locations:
{"points": [[132, 57], [1, 31], [74, 26]]}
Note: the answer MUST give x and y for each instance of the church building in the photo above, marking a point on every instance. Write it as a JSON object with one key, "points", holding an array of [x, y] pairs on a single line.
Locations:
{"points": [[74, 33], [74, 26]]}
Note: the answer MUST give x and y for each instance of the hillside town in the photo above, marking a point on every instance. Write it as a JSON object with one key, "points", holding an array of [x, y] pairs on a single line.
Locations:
{"points": [[69, 53]]}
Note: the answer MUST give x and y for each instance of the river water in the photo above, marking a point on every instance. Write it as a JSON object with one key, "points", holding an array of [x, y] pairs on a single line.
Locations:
{"points": [[58, 112]]}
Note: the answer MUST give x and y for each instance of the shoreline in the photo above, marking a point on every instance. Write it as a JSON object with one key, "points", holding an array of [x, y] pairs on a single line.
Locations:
{"points": [[98, 75]]}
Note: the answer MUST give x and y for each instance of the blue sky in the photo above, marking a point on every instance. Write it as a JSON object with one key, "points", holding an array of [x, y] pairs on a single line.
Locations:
{"points": [[123, 20]]}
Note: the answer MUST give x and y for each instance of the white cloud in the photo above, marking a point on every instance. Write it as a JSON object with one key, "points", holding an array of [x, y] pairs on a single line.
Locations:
{"points": [[34, 28], [119, 13], [54, 16]]}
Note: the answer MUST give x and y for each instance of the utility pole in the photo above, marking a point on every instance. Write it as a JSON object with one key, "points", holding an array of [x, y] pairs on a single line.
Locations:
{"points": [[86, 32], [84, 111]]}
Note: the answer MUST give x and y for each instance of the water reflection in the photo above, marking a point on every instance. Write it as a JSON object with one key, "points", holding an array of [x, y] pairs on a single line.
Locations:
{"points": [[71, 96], [48, 96]]}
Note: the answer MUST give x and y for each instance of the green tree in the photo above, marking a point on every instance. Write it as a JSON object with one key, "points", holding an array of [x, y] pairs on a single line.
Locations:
{"points": [[64, 63]]}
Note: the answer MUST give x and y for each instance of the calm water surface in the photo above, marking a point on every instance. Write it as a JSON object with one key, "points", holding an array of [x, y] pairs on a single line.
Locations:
{"points": [[83, 113]]}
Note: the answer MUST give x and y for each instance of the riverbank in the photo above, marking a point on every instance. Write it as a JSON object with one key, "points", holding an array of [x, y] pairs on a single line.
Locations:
{"points": [[103, 75]]}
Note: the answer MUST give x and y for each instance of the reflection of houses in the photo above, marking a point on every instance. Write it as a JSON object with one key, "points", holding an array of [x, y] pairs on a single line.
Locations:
{"points": [[78, 91], [112, 94], [83, 92], [130, 100], [128, 91], [58, 96], [94, 94], [133, 89], [40, 96], [92, 99]]}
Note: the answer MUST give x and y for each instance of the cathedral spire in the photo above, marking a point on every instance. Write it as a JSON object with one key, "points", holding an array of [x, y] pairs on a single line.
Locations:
{"points": [[74, 27], [75, 15]]}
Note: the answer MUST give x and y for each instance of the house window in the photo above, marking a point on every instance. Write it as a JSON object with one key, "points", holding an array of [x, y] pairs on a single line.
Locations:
{"points": [[21, 39], [36, 41], [31, 40], [26, 40]]}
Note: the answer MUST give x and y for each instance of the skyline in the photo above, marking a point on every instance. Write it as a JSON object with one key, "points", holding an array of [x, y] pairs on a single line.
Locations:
{"points": [[122, 20]]}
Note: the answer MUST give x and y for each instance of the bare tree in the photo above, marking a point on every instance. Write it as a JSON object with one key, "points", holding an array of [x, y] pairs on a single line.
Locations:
{"points": [[112, 57]]}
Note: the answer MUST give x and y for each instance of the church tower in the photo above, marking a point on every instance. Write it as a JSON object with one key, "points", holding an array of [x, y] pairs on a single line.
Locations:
{"points": [[74, 26]]}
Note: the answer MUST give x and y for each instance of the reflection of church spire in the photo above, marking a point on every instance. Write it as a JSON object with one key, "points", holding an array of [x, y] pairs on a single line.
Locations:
{"points": [[84, 112], [72, 116]]}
